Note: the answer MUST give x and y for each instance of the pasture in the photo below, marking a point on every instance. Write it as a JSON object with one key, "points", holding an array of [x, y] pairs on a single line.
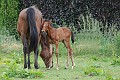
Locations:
{"points": [[96, 49], [95, 59]]}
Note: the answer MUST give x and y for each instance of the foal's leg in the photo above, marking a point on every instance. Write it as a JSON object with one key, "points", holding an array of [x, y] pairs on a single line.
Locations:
{"points": [[67, 46], [70, 54], [56, 44], [25, 49]]}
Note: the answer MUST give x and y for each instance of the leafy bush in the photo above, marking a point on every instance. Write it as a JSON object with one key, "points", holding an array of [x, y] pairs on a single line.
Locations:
{"points": [[9, 15], [117, 44], [93, 70], [14, 70], [115, 60]]}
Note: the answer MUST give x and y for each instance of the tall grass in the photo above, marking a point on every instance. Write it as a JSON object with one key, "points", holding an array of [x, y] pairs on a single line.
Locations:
{"points": [[8, 43], [91, 40]]}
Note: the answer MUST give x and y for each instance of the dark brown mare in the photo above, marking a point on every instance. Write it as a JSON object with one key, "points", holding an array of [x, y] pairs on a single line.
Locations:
{"points": [[29, 24], [45, 52], [61, 34]]}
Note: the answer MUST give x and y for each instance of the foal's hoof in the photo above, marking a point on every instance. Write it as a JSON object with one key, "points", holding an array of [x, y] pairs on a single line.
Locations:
{"points": [[73, 66], [57, 68]]}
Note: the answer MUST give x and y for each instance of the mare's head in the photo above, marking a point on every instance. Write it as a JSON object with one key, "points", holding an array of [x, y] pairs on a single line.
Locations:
{"points": [[45, 52]]}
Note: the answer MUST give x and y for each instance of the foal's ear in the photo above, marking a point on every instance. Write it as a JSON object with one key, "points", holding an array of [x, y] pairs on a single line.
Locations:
{"points": [[50, 21]]}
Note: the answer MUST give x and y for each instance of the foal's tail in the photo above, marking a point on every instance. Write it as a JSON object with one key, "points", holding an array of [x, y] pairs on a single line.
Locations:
{"points": [[32, 28], [72, 37]]}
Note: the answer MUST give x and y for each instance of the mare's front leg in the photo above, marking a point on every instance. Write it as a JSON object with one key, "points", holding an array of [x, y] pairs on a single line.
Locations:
{"points": [[36, 58], [56, 44]]}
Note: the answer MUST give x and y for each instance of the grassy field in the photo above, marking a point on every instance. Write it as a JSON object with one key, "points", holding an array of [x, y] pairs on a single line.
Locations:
{"points": [[92, 67], [91, 62]]}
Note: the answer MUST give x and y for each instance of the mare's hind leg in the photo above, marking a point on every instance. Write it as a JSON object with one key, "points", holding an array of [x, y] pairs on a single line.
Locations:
{"points": [[29, 67], [70, 54], [25, 49], [36, 58]]}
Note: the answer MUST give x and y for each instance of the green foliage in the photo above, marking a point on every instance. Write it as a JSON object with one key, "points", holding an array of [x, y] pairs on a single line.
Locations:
{"points": [[8, 16], [117, 44], [93, 70], [14, 69], [12, 72], [115, 60], [109, 76]]}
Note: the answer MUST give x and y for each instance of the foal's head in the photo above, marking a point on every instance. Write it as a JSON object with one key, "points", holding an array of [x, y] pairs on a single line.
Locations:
{"points": [[46, 25]]}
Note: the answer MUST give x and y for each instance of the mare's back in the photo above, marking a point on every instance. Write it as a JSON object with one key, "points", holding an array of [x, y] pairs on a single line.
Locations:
{"points": [[22, 25]]}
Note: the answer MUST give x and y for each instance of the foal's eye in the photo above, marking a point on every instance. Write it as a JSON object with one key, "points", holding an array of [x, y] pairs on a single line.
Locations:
{"points": [[44, 25]]}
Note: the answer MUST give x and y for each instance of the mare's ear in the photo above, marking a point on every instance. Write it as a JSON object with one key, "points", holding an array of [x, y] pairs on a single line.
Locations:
{"points": [[43, 22]]}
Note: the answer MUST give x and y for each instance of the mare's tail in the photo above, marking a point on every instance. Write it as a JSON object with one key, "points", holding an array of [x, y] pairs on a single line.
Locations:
{"points": [[72, 37], [32, 27]]}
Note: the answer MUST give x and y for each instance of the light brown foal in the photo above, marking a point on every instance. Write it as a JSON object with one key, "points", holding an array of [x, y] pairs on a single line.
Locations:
{"points": [[57, 35]]}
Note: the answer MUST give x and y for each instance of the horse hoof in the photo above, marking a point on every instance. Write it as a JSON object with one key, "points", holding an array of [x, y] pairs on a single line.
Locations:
{"points": [[65, 68], [29, 67], [48, 68], [51, 66], [57, 68], [73, 67], [25, 66], [36, 67]]}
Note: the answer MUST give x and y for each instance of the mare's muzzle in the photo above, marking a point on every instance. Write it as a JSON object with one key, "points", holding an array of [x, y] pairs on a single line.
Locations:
{"points": [[44, 33]]}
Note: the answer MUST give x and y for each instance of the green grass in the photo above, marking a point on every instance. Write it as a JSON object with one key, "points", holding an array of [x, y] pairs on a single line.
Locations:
{"points": [[95, 59], [86, 68]]}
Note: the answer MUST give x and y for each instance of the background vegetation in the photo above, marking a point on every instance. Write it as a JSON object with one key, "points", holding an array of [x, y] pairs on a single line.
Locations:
{"points": [[96, 24]]}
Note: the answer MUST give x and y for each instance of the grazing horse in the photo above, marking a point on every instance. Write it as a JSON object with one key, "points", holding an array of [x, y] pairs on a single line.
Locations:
{"points": [[29, 24], [57, 35], [45, 52]]}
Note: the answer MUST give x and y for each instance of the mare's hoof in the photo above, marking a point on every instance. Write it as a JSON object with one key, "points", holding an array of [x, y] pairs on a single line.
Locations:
{"points": [[65, 68], [29, 67], [36, 67], [25, 66], [48, 68], [51, 66]]}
